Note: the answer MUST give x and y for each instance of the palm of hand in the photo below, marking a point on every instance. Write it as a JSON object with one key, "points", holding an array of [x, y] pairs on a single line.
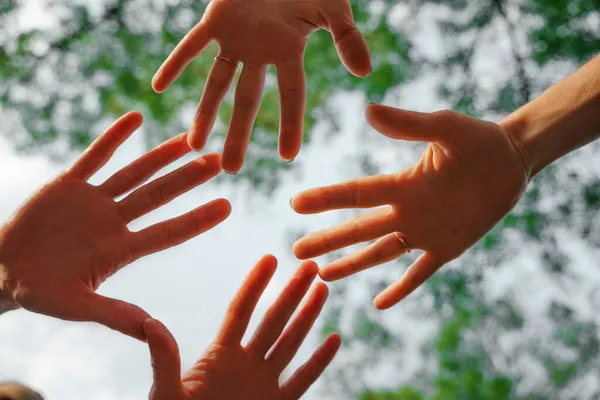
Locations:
{"points": [[259, 33], [468, 178], [459, 190], [80, 240], [71, 236], [225, 371], [230, 371]]}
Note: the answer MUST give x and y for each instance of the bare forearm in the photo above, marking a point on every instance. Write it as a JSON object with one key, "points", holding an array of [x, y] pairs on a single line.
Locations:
{"points": [[562, 119]]}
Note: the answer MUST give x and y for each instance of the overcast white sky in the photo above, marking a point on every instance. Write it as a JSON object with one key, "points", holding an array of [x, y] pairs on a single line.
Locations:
{"points": [[189, 287]]}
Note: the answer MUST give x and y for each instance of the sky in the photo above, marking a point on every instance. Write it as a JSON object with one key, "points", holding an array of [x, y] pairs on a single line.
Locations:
{"points": [[189, 287]]}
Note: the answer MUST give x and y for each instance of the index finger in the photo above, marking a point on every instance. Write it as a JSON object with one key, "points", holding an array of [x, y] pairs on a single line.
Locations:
{"points": [[103, 148], [243, 304], [186, 51], [292, 98], [368, 192]]}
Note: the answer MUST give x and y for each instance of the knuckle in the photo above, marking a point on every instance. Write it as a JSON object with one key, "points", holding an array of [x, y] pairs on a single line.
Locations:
{"points": [[325, 241], [355, 192], [157, 194], [168, 234], [447, 115], [236, 311], [355, 228], [120, 309], [217, 85], [244, 103], [326, 194], [292, 95]]}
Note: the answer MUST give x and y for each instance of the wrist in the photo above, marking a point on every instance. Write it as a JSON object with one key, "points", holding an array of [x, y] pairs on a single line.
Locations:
{"points": [[521, 133], [562, 119]]}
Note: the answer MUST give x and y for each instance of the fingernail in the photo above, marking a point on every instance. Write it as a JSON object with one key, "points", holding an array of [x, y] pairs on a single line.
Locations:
{"points": [[230, 173], [289, 161], [292, 203]]}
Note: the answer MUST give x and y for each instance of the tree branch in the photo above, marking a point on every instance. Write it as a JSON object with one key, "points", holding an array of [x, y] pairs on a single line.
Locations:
{"points": [[525, 84]]}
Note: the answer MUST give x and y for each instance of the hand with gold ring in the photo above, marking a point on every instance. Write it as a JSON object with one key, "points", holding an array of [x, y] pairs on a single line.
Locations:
{"points": [[468, 178], [258, 33]]}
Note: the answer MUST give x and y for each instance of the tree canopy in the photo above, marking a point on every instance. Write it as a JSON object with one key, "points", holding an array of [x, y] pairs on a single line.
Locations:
{"points": [[90, 63], [94, 62]]}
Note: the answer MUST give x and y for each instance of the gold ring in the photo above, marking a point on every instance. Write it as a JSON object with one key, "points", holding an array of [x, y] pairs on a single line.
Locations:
{"points": [[227, 60], [403, 242]]}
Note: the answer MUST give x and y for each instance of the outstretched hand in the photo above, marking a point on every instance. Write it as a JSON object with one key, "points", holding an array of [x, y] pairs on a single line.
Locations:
{"points": [[230, 371], [258, 33], [71, 236], [469, 177]]}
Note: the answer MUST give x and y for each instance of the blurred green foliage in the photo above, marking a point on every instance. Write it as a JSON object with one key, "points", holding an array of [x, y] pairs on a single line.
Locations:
{"points": [[95, 63], [535, 41], [65, 79]]}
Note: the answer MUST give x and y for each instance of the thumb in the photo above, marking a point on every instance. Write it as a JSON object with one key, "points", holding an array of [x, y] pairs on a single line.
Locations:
{"points": [[350, 43], [115, 314], [406, 125], [166, 363]]}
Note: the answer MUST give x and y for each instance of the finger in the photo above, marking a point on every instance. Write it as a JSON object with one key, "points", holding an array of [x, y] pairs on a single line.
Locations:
{"points": [[114, 314], [421, 270], [306, 375], [288, 344], [245, 108], [292, 97], [280, 313], [362, 228], [243, 304], [386, 249], [144, 167], [368, 192], [169, 187], [166, 362], [102, 149], [218, 82], [405, 125], [181, 229], [187, 50], [350, 44]]}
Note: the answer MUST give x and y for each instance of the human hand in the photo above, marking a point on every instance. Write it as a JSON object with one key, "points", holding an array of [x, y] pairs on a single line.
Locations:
{"points": [[258, 33], [469, 177], [71, 236], [230, 371]]}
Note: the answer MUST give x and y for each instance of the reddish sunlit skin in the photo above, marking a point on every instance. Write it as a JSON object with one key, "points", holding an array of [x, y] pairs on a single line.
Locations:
{"points": [[71, 236], [469, 177], [231, 371], [257, 33]]}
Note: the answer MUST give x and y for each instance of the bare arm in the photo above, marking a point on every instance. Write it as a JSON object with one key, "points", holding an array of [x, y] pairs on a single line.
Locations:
{"points": [[564, 118], [470, 176]]}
